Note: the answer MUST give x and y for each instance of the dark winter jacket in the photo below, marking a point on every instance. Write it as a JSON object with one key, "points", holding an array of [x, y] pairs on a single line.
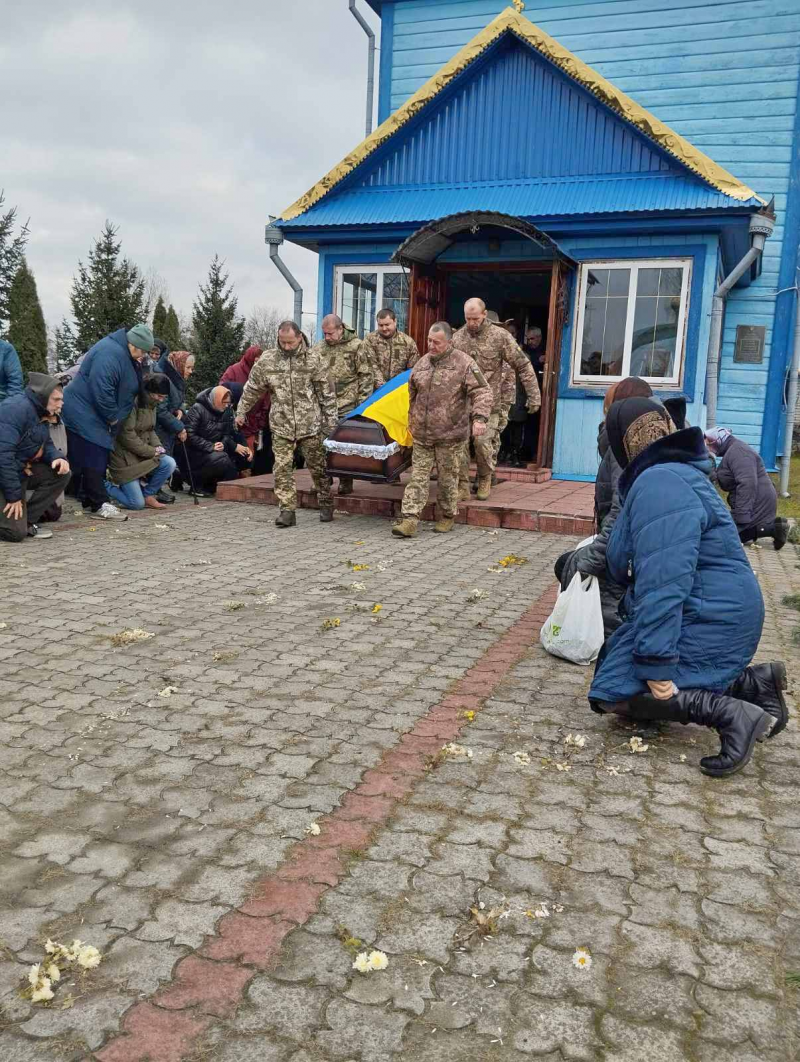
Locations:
{"points": [[134, 454], [102, 394], [206, 426], [12, 381], [23, 433], [751, 494], [168, 426], [693, 607]]}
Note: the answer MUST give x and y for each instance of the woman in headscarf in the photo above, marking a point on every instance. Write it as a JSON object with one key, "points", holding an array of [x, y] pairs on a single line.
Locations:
{"points": [[693, 608], [256, 422], [177, 366], [751, 493]]}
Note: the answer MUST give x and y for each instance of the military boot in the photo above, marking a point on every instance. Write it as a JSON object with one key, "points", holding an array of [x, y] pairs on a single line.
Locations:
{"points": [[286, 518], [407, 527], [345, 486], [484, 487], [444, 524], [464, 492], [325, 514]]}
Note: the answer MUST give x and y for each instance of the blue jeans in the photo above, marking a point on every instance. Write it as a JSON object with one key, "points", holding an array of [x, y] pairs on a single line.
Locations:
{"points": [[132, 495]]}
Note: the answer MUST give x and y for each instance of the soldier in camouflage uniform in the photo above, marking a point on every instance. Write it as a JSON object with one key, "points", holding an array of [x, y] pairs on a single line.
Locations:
{"points": [[389, 351], [349, 370], [447, 394], [302, 413], [491, 346]]}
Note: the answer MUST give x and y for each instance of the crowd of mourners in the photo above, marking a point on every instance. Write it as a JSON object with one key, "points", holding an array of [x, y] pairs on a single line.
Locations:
{"points": [[682, 609]]}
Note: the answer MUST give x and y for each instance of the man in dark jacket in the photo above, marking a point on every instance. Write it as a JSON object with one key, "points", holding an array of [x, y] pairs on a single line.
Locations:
{"points": [[751, 494], [96, 404], [11, 379], [215, 449], [28, 460]]}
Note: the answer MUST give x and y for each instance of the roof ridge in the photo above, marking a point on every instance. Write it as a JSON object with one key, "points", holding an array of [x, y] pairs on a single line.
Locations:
{"points": [[509, 21]]}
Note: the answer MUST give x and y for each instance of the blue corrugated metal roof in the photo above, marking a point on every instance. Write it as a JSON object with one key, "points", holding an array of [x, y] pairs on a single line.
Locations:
{"points": [[641, 193]]}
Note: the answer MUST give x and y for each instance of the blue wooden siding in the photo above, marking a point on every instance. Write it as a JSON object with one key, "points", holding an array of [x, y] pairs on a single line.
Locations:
{"points": [[723, 74]]}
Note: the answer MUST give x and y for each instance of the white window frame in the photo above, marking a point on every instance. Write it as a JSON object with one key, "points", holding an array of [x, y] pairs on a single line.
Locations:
{"points": [[634, 265], [365, 267]]}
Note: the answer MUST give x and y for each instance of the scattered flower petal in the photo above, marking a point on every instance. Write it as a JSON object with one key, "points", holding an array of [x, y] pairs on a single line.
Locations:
{"points": [[357, 587], [683, 757], [613, 771], [477, 594], [233, 606], [128, 636], [376, 608], [635, 745], [168, 691], [522, 758], [331, 623], [577, 741], [313, 830], [563, 767]]}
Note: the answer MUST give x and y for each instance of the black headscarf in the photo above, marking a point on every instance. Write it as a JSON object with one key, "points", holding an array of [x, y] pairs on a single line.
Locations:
{"points": [[633, 424]]}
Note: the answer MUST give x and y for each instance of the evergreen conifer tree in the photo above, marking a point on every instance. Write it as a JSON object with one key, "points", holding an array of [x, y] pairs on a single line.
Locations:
{"points": [[11, 251], [160, 320], [26, 328], [108, 293], [172, 330], [218, 329], [66, 348]]}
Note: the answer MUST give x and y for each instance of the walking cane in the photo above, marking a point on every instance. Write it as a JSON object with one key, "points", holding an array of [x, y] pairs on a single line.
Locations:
{"points": [[189, 470]]}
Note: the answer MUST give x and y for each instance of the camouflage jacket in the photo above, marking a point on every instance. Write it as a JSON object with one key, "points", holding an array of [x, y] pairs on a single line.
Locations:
{"points": [[508, 388], [349, 370], [388, 357], [303, 399], [491, 346], [446, 392]]}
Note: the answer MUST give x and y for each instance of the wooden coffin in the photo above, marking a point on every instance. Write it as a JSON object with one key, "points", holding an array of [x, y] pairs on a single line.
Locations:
{"points": [[363, 449]]}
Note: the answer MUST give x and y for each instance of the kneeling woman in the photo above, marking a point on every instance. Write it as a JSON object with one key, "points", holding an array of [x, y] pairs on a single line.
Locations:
{"points": [[693, 607], [138, 467]]}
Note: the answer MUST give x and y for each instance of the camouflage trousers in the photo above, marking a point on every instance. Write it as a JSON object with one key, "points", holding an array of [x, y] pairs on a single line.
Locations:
{"points": [[486, 450], [502, 424], [446, 457], [314, 454]]}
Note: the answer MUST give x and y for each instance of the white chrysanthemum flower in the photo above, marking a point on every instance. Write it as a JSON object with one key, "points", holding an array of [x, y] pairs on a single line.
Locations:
{"points": [[34, 974], [42, 991], [313, 829], [50, 946], [362, 963], [582, 959], [89, 957], [522, 758], [53, 972], [452, 749], [613, 771], [563, 767], [541, 911], [378, 960], [683, 757]]}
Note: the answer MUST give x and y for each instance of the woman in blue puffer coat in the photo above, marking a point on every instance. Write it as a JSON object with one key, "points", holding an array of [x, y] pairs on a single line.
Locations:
{"points": [[693, 607]]}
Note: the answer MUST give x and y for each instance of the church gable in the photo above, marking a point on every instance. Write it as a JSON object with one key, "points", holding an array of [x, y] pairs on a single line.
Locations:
{"points": [[513, 116]]}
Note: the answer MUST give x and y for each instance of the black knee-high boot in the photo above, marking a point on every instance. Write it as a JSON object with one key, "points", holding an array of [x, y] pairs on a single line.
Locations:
{"points": [[763, 684], [738, 723]]}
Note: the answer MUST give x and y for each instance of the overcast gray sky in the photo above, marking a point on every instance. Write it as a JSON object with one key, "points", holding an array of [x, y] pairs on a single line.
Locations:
{"points": [[185, 122]]}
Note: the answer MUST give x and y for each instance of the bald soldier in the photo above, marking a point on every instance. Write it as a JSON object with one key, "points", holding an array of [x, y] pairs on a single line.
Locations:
{"points": [[492, 347], [349, 369]]}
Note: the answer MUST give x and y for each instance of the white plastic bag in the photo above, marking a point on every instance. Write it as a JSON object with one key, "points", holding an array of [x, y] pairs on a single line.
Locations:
{"points": [[574, 630]]}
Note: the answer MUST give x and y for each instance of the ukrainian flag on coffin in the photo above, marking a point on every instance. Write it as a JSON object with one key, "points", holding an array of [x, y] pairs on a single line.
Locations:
{"points": [[389, 407]]}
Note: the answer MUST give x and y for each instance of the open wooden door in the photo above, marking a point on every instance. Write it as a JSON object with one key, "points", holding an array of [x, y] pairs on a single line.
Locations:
{"points": [[552, 366], [426, 303]]}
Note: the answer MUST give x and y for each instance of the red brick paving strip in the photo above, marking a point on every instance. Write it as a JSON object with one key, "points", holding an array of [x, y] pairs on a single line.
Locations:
{"points": [[211, 984]]}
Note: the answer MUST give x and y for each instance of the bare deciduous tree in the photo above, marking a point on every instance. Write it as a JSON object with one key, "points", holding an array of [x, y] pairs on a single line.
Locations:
{"points": [[262, 326]]}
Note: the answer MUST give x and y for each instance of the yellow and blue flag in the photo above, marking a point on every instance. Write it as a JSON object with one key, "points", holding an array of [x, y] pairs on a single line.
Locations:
{"points": [[389, 407]]}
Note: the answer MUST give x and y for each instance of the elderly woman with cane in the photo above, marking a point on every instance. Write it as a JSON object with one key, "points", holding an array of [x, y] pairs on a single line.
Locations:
{"points": [[693, 607]]}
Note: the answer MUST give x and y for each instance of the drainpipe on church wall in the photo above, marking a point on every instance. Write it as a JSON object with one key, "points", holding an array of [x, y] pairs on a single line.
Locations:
{"points": [[273, 237], [791, 403], [761, 226], [370, 61]]}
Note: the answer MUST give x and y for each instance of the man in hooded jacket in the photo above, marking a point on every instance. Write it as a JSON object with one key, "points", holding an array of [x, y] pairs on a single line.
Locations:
{"points": [[28, 460]]}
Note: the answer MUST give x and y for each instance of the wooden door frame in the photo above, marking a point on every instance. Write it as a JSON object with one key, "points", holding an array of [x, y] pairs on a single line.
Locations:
{"points": [[552, 364]]}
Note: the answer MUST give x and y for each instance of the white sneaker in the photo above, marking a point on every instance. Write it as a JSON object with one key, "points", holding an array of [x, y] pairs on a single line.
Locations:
{"points": [[34, 531], [107, 511]]}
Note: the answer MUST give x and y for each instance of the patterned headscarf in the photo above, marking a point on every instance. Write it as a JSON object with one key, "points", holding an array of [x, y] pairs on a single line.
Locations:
{"points": [[178, 359], [634, 424], [717, 436]]}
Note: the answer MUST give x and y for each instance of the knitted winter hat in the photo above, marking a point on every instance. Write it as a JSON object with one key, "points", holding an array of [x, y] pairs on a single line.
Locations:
{"points": [[140, 336]]}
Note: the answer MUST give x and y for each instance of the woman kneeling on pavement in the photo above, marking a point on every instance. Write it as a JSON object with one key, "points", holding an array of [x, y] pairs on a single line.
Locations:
{"points": [[693, 607], [139, 467]]}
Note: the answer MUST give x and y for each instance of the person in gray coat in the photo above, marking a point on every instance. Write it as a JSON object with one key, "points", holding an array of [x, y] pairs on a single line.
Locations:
{"points": [[751, 493]]}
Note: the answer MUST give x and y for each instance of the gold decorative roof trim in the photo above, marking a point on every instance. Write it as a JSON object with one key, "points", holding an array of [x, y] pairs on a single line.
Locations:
{"points": [[510, 21]]}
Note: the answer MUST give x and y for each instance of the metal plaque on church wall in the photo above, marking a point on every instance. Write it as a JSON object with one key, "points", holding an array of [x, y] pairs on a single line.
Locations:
{"points": [[749, 347]]}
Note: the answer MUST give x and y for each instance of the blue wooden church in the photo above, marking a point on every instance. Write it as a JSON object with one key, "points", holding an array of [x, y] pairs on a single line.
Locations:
{"points": [[622, 174]]}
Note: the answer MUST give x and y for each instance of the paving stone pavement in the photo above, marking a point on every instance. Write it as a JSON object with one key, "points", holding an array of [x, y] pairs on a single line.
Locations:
{"points": [[170, 831]]}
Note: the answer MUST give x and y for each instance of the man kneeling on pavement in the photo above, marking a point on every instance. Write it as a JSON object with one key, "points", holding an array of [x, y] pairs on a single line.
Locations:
{"points": [[29, 462], [447, 391]]}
